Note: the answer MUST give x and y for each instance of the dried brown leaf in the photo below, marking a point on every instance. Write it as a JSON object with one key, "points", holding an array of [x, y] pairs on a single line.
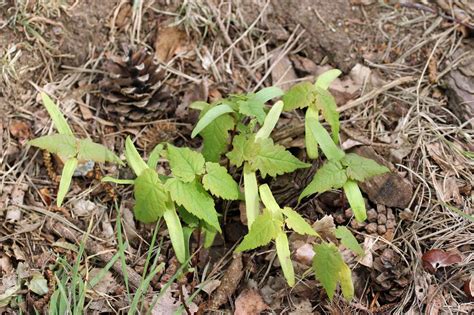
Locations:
{"points": [[168, 42], [437, 258], [249, 302], [229, 282]]}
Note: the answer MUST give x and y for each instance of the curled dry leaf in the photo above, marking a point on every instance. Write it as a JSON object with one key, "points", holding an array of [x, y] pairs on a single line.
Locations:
{"points": [[304, 254], [169, 42], [20, 130], [249, 302], [436, 258], [468, 288]]}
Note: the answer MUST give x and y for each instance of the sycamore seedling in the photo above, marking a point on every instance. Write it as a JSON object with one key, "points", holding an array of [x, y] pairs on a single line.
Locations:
{"points": [[255, 151], [269, 226], [341, 171], [316, 98], [71, 150], [188, 189], [328, 264]]}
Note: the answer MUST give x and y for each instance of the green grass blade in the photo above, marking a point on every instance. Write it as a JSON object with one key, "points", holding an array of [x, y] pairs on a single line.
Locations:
{"points": [[66, 178], [356, 201], [55, 113], [210, 116], [94, 281], [270, 121], [121, 249], [251, 195]]}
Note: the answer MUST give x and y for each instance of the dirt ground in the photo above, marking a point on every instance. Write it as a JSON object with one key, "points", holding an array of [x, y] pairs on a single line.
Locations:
{"points": [[406, 99]]}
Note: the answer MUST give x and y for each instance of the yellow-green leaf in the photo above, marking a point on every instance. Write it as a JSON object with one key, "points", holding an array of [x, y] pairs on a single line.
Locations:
{"points": [[360, 168], [356, 201], [175, 231], [325, 79], [299, 95], [270, 121], [134, 159], [264, 229], [150, 197], [348, 240], [55, 113], [329, 148], [60, 144], [296, 222], [310, 141], [210, 116], [252, 205], [219, 182], [327, 104], [284, 257], [329, 176], [185, 163], [66, 177], [88, 150], [330, 268], [195, 199]]}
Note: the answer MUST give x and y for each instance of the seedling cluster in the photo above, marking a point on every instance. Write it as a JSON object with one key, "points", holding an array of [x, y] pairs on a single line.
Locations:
{"points": [[236, 132]]}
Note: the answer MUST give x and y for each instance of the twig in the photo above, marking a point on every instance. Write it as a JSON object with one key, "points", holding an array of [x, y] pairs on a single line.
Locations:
{"points": [[228, 41]]}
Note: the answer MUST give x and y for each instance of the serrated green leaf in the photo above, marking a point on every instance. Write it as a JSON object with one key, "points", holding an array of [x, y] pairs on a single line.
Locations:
{"points": [[296, 222], [345, 278], [360, 168], [299, 96], [55, 113], [252, 205], [253, 108], [327, 104], [185, 163], [195, 199], [273, 159], [329, 148], [310, 141], [62, 145], [150, 197], [348, 240], [244, 149], [284, 257], [134, 159], [219, 182], [270, 121], [215, 137], [264, 229], [90, 151], [266, 94], [176, 233], [66, 177], [330, 268], [329, 176], [325, 79], [108, 179], [210, 116], [356, 201], [154, 156]]}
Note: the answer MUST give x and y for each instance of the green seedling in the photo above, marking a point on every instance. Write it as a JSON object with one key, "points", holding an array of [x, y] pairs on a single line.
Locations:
{"points": [[341, 171], [316, 98], [71, 150], [255, 151], [189, 189]]}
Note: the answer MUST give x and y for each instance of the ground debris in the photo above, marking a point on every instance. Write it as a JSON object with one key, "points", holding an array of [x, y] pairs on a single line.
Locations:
{"points": [[249, 302], [229, 283], [389, 189]]}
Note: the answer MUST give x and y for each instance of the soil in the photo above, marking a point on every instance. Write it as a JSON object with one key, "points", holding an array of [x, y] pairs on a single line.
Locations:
{"points": [[405, 99]]}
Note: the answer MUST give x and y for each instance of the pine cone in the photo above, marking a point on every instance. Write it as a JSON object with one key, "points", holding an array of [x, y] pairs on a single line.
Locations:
{"points": [[133, 87], [380, 222], [389, 274]]}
